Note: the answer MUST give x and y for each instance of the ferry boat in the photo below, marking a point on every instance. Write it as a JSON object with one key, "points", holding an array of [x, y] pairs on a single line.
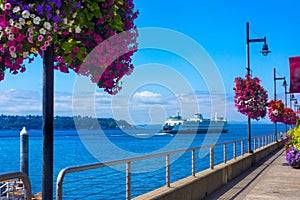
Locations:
{"points": [[197, 124]]}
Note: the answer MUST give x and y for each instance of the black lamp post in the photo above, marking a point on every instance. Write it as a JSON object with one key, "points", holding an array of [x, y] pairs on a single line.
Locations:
{"points": [[284, 84], [275, 79], [265, 51]]}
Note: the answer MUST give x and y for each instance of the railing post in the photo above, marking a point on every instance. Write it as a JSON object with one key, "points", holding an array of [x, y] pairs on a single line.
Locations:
{"points": [[211, 157], [193, 162], [242, 147], [24, 157], [254, 143], [258, 141], [128, 181], [234, 150], [225, 153], [267, 138], [168, 170]]}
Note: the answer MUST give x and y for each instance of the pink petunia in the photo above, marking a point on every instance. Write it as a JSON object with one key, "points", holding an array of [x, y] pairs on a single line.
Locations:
{"points": [[43, 48], [76, 49], [19, 47], [10, 43], [40, 38], [19, 60], [12, 49], [7, 6], [14, 30], [30, 40]]}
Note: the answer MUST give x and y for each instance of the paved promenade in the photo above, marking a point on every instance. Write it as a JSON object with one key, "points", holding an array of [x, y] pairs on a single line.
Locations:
{"points": [[271, 178]]}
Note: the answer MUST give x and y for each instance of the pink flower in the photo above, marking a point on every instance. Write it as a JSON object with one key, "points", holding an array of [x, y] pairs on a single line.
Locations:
{"points": [[19, 60], [14, 30], [30, 40], [40, 38], [10, 43], [12, 49], [7, 6], [19, 47], [20, 38], [46, 44], [43, 48], [76, 49]]}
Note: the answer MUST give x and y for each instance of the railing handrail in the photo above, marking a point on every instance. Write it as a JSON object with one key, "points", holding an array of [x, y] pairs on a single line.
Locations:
{"points": [[25, 179], [66, 170]]}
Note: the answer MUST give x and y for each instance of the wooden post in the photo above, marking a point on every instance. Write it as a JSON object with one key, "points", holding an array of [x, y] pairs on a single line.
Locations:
{"points": [[211, 157], [193, 163], [168, 170], [48, 101], [24, 151], [128, 181]]}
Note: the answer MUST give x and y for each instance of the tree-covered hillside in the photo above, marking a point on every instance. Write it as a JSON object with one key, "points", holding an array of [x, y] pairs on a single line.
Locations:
{"points": [[61, 122]]}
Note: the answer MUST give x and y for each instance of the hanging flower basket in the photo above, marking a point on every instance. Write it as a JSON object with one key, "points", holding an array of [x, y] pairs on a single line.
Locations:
{"points": [[289, 116], [73, 29], [250, 97], [275, 110]]}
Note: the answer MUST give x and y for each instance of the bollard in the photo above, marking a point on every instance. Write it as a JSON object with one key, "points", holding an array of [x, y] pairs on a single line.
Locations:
{"points": [[24, 151]]}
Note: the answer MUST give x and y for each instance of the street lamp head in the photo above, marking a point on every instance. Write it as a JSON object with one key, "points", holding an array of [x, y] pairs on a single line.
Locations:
{"points": [[284, 84], [265, 49]]}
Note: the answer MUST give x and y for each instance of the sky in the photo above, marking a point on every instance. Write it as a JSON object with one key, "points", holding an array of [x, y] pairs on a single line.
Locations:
{"points": [[190, 53]]}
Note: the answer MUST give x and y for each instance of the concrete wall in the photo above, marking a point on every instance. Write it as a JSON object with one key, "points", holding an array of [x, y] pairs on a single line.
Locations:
{"points": [[207, 181]]}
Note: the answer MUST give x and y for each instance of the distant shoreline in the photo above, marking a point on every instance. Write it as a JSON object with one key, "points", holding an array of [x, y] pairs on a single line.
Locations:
{"points": [[16, 122]]}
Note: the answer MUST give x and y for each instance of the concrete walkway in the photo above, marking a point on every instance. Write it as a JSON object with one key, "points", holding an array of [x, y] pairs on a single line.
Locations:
{"points": [[271, 178]]}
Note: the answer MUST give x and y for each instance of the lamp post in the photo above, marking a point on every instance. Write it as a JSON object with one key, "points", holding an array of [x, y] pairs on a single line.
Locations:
{"points": [[275, 79], [265, 51], [284, 84]]}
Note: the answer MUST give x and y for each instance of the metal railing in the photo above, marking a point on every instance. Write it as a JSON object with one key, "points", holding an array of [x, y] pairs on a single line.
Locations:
{"points": [[218, 153], [8, 186]]}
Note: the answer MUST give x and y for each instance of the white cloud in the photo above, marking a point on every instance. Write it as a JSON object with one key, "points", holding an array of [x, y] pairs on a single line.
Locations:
{"points": [[148, 97]]}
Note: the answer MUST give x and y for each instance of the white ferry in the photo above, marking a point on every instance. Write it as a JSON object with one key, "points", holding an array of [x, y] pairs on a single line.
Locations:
{"points": [[196, 124]]}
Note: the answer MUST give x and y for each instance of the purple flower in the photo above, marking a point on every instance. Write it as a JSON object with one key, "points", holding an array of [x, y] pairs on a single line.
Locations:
{"points": [[55, 18], [57, 3], [48, 8], [26, 7], [39, 9], [78, 5], [49, 16]]}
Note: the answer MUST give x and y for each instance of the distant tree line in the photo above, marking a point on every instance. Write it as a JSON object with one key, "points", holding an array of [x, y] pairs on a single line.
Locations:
{"points": [[61, 122]]}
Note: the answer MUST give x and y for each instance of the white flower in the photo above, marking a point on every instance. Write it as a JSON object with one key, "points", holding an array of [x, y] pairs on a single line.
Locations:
{"points": [[37, 20], [2, 6], [32, 16], [77, 29], [18, 25], [25, 14], [25, 54], [42, 31], [22, 21], [8, 30], [11, 21], [47, 26], [13, 54], [65, 21], [57, 12], [16, 9], [74, 15], [71, 23], [11, 37]]}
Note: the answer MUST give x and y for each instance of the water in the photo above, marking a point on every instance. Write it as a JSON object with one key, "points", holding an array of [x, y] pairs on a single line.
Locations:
{"points": [[72, 150]]}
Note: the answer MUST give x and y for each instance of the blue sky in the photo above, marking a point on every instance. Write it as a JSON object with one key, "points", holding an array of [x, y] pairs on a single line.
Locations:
{"points": [[218, 26]]}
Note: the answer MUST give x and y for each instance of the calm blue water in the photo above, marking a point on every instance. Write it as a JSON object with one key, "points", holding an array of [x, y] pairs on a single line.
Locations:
{"points": [[71, 150]]}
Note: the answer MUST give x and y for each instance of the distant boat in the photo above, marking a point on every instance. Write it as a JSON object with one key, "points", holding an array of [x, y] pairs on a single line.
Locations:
{"points": [[197, 124]]}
